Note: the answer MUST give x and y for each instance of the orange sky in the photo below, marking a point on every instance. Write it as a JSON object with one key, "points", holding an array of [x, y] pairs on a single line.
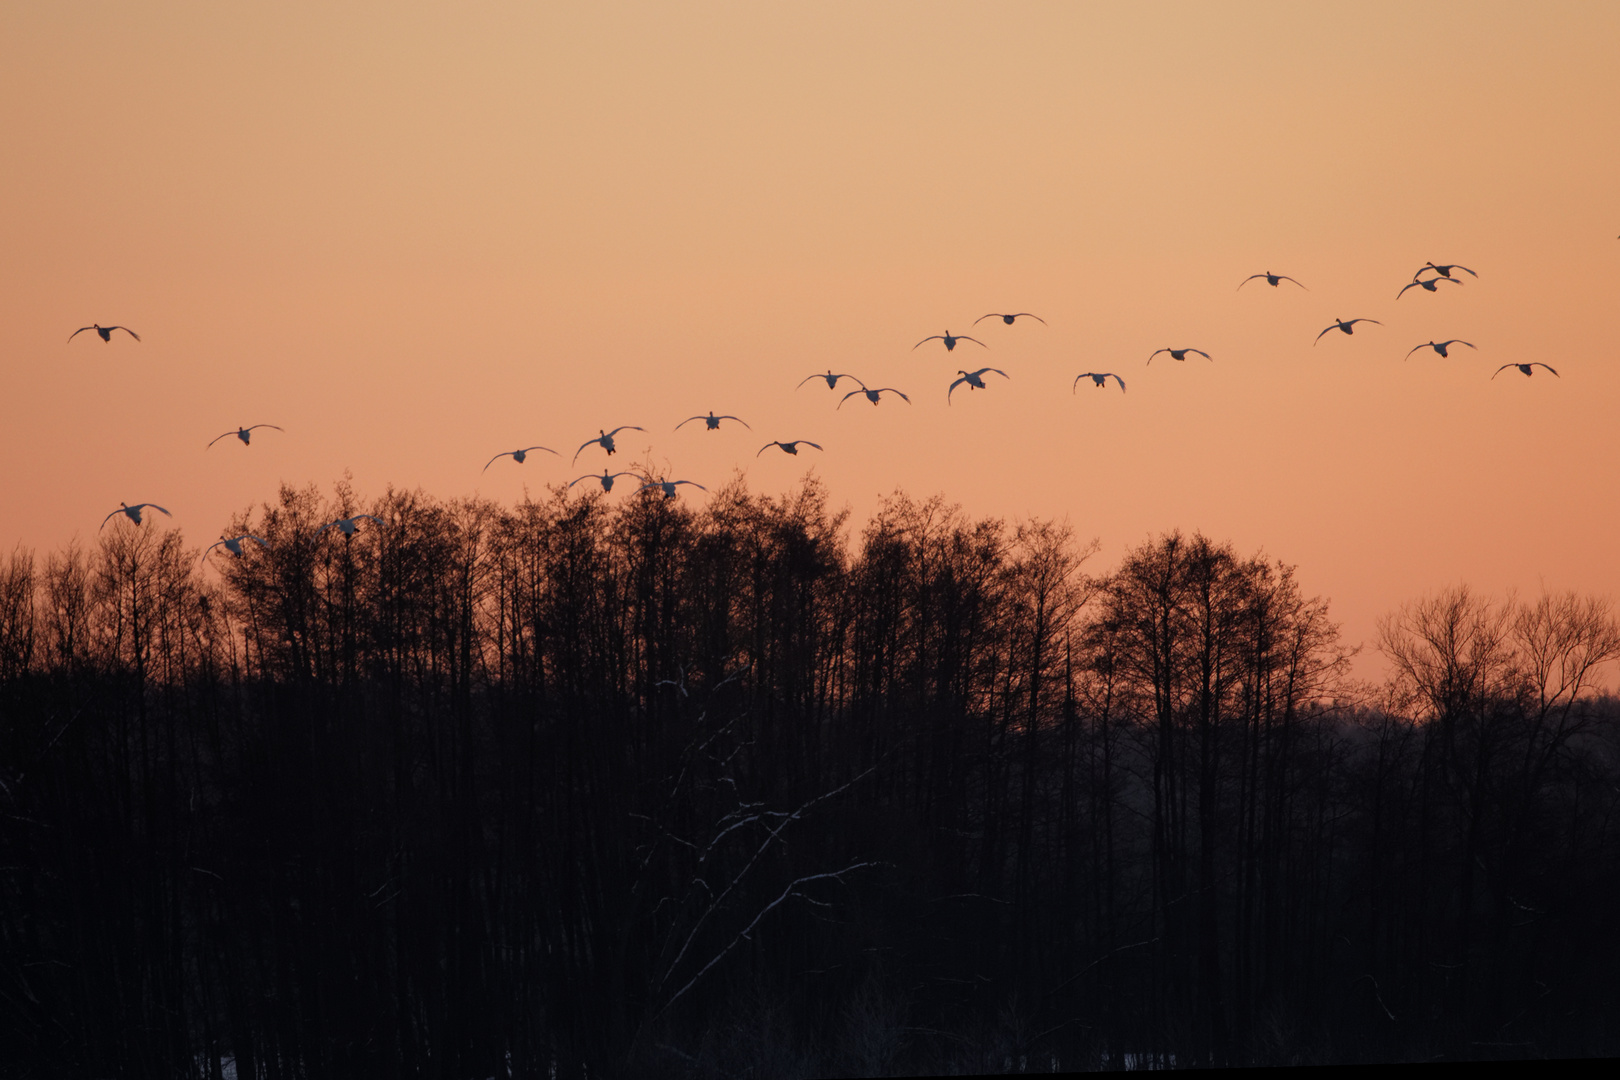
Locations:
{"points": [[417, 235]]}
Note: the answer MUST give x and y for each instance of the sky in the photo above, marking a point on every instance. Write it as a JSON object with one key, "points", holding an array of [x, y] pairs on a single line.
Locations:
{"points": [[416, 235]]}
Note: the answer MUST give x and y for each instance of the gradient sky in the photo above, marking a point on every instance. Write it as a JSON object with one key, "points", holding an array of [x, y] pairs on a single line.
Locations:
{"points": [[416, 235]]}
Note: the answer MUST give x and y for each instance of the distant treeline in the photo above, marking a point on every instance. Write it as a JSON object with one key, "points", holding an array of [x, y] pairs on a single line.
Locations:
{"points": [[641, 789]]}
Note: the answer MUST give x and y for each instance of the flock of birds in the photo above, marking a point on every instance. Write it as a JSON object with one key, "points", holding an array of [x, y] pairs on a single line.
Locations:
{"points": [[974, 380]]}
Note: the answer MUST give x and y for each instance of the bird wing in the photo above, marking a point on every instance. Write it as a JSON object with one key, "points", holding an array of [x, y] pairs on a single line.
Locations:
{"points": [[1460, 341], [1498, 371], [255, 427], [689, 419], [1403, 291], [902, 393], [137, 337], [587, 476], [582, 447], [250, 536], [120, 510], [547, 449], [766, 447], [997, 370], [378, 520], [849, 395], [976, 341], [1549, 367], [1246, 280], [807, 442], [165, 513], [79, 331], [739, 420], [694, 483], [1156, 353], [1454, 267], [807, 378], [497, 457], [1335, 326], [952, 390], [626, 427], [1116, 379], [1301, 284], [1375, 322], [980, 319], [1032, 315], [930, 337], [1415, 348], [216, 439], [1202, 353], [1076, 384]]}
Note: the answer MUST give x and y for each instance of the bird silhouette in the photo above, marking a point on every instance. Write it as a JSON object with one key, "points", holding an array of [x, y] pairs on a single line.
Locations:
{"points": [[669, 485], [1271, 279], [346, 525], [832, 380], [712, 422], [1526, 368], [1181, 354], [233, 544], [132, 512], [605, 439], [872, 395], [788, 447], [517, 455], [974, 379], [1348, 327], [607, 481], [1008, 319], [104, 331], [1429, 284], [1099, 377], [1438, 346], [241, 433], [1443, 271], [950, 339]]}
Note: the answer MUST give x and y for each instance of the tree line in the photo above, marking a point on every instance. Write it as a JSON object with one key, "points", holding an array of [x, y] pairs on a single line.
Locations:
{"points": [[640, 788]]}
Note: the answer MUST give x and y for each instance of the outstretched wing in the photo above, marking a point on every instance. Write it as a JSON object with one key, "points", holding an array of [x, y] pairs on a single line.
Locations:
{"points": [[1246, 280], [216, 439], [137, 337], [1116, 379], [496, 458], [930, 337], [980, 319], [739, 420], [79, 331], [1503, 368]]}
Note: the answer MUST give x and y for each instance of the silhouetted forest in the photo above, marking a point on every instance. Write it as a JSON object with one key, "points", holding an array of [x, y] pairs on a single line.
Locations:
{"points": [[634, 788]]}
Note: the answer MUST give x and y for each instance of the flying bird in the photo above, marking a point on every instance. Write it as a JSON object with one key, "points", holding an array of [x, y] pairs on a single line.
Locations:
{"points": [[950, 340], [1443, 271], [241, 433], [605, 440], [788, 447], [1099, 377], [1526, 368], [346, 525], [1008, 319], [607, 481], [1181, 354], [1348, 327], [872, 395], [104, 331], [712, 422], [974, 379], [832, 380], [134, 512], [1426, 283], [1271, 279], [669, 485], [517, 455], [233, 544], [1438, 346]]}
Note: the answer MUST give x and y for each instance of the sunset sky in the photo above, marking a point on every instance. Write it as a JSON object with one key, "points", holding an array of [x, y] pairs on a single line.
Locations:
{"points": [[416, 235]]}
